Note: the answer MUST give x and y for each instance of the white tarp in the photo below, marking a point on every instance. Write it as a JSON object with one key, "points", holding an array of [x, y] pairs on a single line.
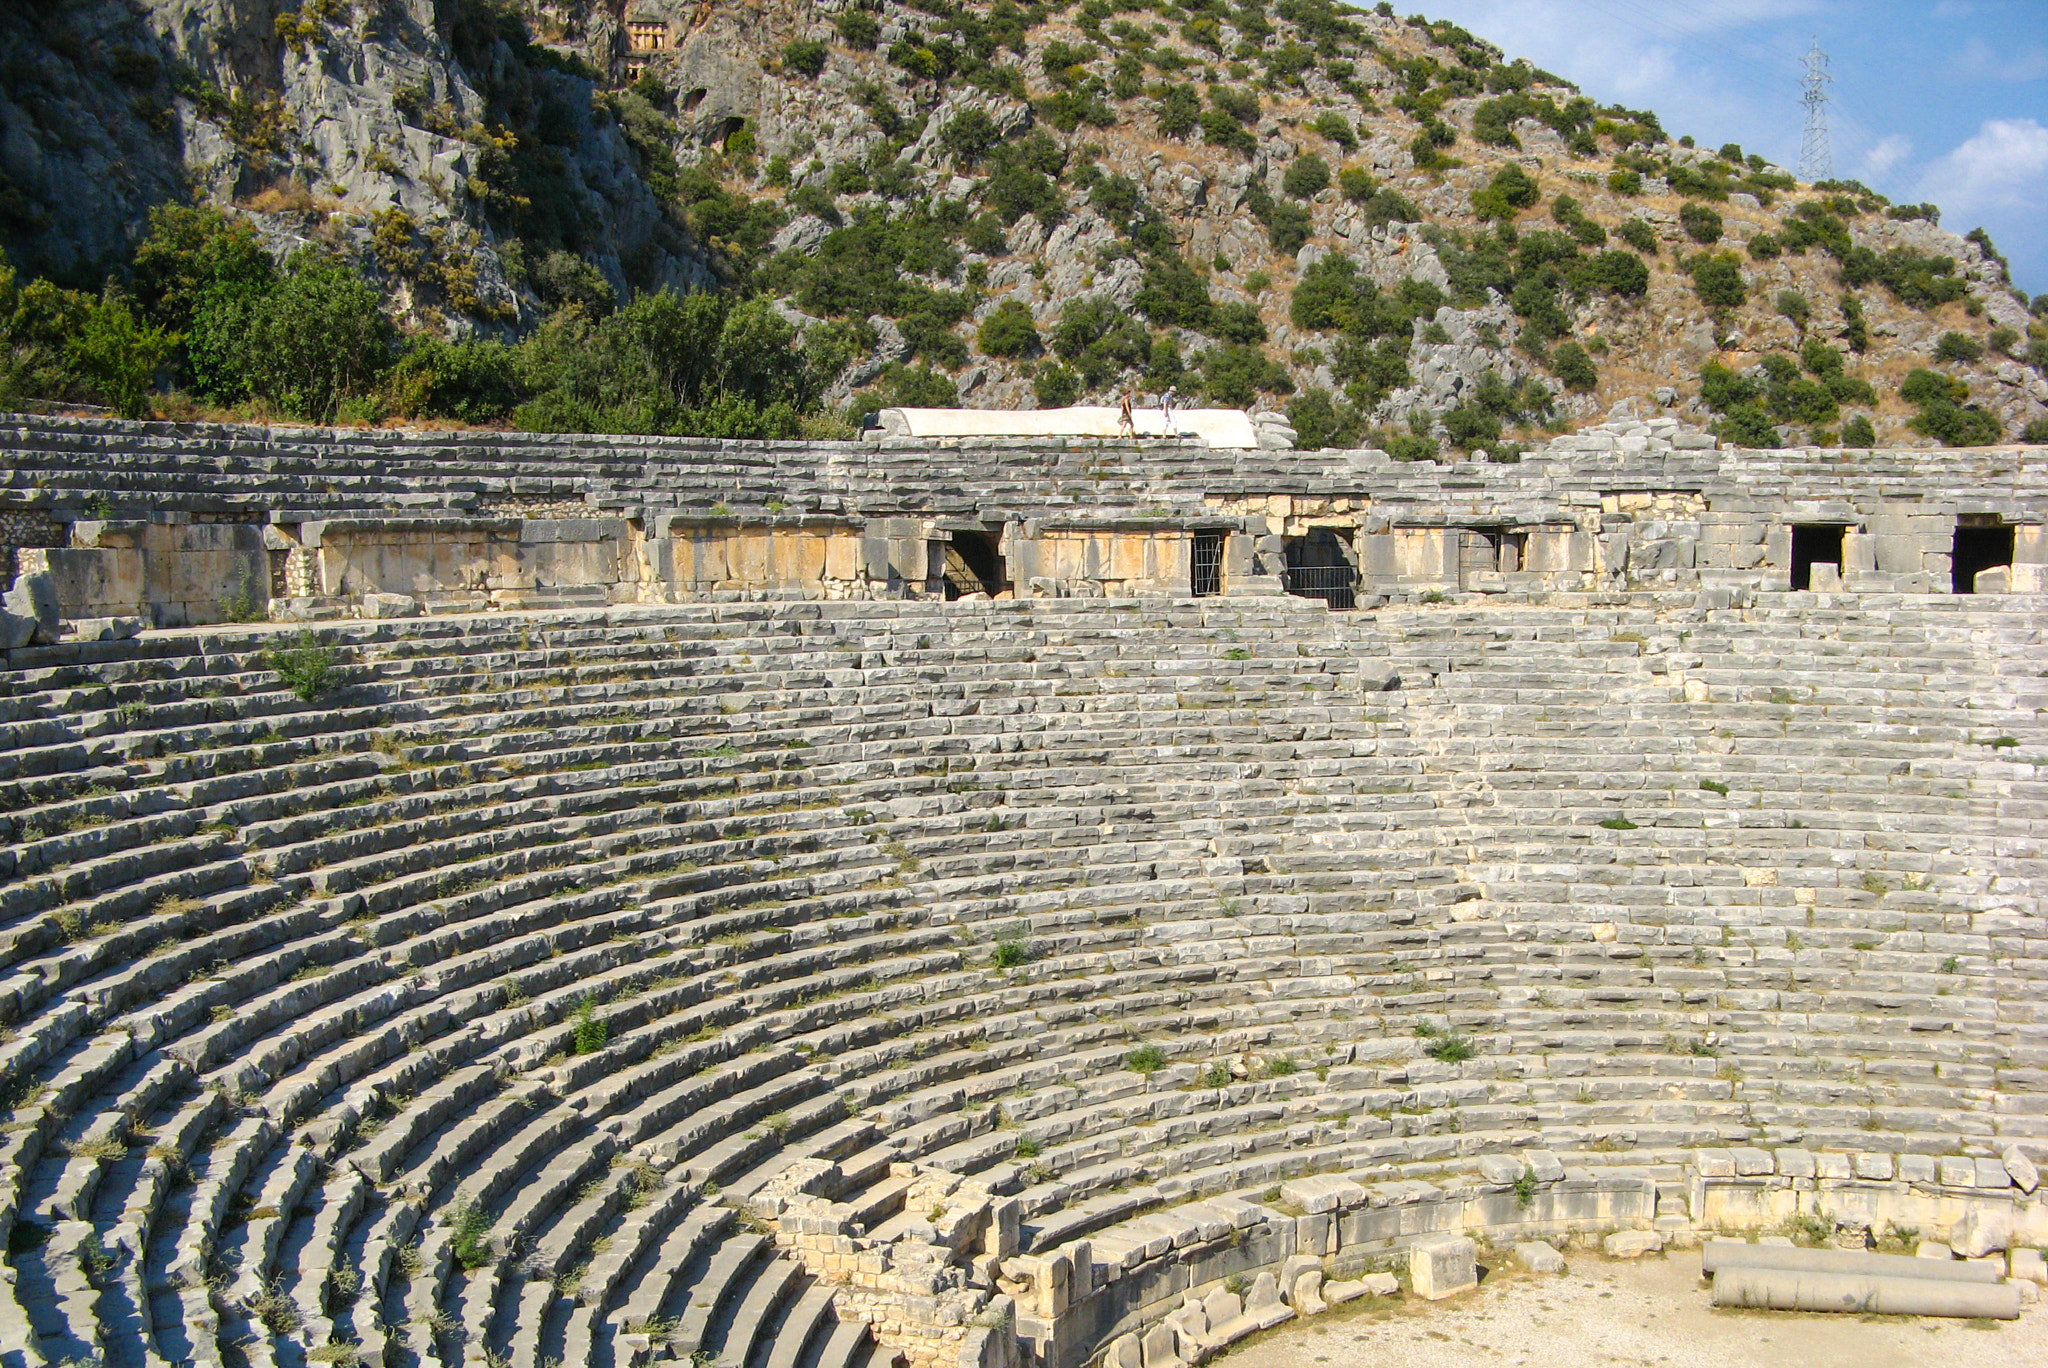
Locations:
{"points": [[1231, 428]]}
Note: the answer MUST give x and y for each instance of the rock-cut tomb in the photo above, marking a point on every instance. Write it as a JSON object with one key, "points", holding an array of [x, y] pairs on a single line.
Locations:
{"points": [[475, 900]]}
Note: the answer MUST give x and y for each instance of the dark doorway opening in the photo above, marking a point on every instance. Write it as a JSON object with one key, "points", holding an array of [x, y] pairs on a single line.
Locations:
{"points": [[1815, 544], [1319, 566], [1205, 565], [1985, 547], [973, 566]]}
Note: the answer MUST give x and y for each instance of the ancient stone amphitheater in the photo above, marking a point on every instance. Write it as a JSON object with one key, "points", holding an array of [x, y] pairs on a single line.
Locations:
{"points": [[983, 904]]}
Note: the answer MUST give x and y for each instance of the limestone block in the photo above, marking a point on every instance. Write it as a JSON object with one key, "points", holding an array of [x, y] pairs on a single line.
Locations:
{"points": [[390, 606], [1917, 1168], [1795, 1163], [1158, 1349], [1337, 1293], [1539, 1257], [1991, 1173], [1874, 1166], [1633, 1244], [1381, 1284], [1957, 1172], [1831, 1166], [1222, 1305], [1305, 1293], [34, 596], [1933, 1249], [1264, 1307], [2026, 1265], [1751, 1162], [1443, 1267], [1982, 1230], [1713, 1163], [16, 631], [1547, 1167], [2025, 1176]]}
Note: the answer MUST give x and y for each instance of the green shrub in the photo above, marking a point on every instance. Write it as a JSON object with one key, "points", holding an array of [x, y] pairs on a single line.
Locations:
{"points": [[1858, 432], [1307, 176], [1574, 367], [858, 29], [472, 1241], [2035, 433], [1007, 331], [1179, 111], [969, 135], [1958, 348], [1056, 386], [1335, 127], [1011, 954], [1027, 1148], [1717, 280], [805, 56], [307, 668], [472, 382], [1146, 1059], [592, 1035], [116, 355], [1511, 189], [563, 279], [1793, 305], [1765, 247], [1408, 446], [1451, 1048], [1639, 235], [1625, 182], [1700, 223], [1217, 1075], [1237, 322], [1616, 273]]}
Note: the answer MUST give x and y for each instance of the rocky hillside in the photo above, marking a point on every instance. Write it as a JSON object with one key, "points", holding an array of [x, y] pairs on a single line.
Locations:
{"points": [[1381, 224]]}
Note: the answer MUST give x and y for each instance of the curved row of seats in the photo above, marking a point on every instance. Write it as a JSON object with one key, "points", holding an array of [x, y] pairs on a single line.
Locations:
{"points": [[456, 1014]]}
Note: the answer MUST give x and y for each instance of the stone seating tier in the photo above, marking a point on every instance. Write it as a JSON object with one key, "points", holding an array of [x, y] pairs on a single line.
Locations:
{"points": [[469, 1010]]}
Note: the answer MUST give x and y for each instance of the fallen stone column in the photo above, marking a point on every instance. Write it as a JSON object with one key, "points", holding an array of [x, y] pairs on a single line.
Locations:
{"points": [[1782, 1289], [1716, 1255]]}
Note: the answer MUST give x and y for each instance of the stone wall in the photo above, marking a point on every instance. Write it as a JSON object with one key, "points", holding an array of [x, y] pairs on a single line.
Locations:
{"points": [[204, 519]]}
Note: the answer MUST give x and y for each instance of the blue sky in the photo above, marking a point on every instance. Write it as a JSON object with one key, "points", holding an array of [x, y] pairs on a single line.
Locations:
{"points": [[1943, 100]]}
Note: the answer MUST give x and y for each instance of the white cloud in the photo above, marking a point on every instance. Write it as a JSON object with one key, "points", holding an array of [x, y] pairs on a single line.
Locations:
{"points": [[1886, 156], [2004, 166]]}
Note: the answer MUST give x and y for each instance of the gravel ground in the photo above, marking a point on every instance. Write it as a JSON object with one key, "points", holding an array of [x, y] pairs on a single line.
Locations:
{"points": [[1647, 1312]]}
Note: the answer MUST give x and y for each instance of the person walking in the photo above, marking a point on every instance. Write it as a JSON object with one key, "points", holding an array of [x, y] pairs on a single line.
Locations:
{"points": [[1166, 404], [1126, 424]]}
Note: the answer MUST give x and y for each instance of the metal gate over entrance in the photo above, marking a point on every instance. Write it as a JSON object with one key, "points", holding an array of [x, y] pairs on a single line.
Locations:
{"points": [[1205, 564], [969, 564], [1319, 566]]}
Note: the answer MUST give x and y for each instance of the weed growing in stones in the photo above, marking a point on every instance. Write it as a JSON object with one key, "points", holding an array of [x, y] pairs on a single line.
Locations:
{"points": [[1525, 1188], [1146, 1059], [1012, 954], [307, 669], [1714, 786], [472, 1237], [1952, 965], [1619, 824], [1216, 1076], [591, 1034]]}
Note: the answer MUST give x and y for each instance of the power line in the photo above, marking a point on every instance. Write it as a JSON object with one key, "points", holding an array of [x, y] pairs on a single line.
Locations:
{"points": [[1816, 156]]}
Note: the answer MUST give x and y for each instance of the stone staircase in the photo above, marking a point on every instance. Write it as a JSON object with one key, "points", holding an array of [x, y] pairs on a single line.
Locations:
{"points": [[461, 1015]]}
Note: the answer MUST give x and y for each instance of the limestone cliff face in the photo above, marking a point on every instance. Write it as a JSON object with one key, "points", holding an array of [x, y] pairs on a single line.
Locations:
{"points": [[325, 121], [466, 149]]}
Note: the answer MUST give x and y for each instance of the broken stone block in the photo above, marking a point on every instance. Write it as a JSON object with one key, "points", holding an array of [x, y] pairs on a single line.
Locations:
{"points": [[1125, 1352], [1981, 1231], [390, 606], [1337, 1293], [1538, 1257], [1222, 1306], [2027, 1265], [2025, 1176], [1305, 1293], [34, 596], [1159, 1348], [1633, 1244], [1443, 1267]]}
